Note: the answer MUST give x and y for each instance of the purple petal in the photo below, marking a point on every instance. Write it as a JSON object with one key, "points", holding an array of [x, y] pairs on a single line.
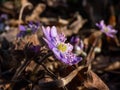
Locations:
{"points": [[35, 49], [57, 53], [46, 32], [72, 59], [21, 34], [81, 44], [53, 32], [22, 28], [72, 40], [110, 35], [50, 44], [113, 31], [62, 37], [75, 40], [109, 26], [69, 47], [76, 60], [4, 16], [102, 23]]}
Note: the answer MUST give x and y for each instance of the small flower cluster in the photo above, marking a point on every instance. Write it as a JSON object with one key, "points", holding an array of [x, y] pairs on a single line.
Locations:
{"points": [[62, 50], [107, 29], [31, 28]]}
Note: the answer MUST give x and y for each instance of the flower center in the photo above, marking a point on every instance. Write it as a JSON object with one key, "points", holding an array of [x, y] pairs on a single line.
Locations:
{"points": [[28, 31], [62, 47], [106, 30]]}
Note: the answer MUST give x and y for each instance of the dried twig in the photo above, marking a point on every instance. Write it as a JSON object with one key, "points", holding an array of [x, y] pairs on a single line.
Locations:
{"points": [[63, 81]]}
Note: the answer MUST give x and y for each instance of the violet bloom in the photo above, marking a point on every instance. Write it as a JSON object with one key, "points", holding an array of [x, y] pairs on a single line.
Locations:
{"points": [[77, 45], [108, 30], [32, 51], [76, 41], [62, 50], [29, 29], [4, 16], [35, 49]]}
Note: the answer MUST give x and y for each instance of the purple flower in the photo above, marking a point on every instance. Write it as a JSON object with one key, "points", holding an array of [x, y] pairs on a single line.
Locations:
{"points": [[62, 50], [4, 16], [108, 30], [35, 49], [29, 29], [77, 45], [76, 41], [32, 51]]}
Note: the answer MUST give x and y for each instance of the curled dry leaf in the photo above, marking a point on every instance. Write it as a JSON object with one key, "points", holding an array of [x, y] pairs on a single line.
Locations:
{"points": [[88, 41], [32, 39], [63, 21], [20, 44], [74, 26], [36, 12], [77, 24], [26, 3], [63, 81], [9, 35], [14, 22], [8, 7], [113, 66], [93, 82], [55, 3]]}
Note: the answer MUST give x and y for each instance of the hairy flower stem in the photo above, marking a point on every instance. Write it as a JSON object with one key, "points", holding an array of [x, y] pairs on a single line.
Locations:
{"points": [[46, 56], [88, 58], [19, 71], [50, 72], [40, 62]]}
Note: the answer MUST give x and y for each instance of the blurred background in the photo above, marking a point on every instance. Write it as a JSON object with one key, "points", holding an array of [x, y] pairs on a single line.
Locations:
{"points": [[74, 18]]}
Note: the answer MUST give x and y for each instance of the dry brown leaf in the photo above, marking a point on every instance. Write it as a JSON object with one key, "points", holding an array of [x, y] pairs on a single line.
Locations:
{"points": [[27, 39], [32, 39], [14, 22], [77, 24], [31, 66], [113, 66], [63, 21], [55, 3], [36, 12], [8, 7], [63, 81], [25, 3], [89, 40], [93, 82], [74, 27]]}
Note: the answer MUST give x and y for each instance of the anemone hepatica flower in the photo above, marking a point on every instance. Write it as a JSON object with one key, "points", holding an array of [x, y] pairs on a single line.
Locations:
{"points": [[108, 30], [77, 45], [76, 41], [29, 29], [62, 50], [32, 51], [4, 16]]}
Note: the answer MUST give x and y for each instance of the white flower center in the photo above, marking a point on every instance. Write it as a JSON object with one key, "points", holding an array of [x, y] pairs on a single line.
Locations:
{"points": [[106, 30]]}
